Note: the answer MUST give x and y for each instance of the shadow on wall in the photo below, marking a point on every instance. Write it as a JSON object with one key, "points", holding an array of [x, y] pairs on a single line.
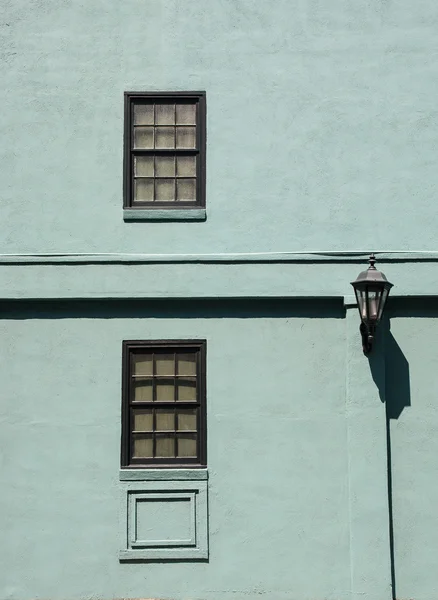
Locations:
{"points": [[195, 308], [391, 375]]}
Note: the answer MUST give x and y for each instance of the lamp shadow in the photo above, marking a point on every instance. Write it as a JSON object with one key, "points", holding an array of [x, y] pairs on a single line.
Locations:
{"points": [[390, 373]]}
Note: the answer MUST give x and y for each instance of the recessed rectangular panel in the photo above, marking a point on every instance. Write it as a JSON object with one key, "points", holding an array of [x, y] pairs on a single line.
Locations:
{"points": [[164, 521]]}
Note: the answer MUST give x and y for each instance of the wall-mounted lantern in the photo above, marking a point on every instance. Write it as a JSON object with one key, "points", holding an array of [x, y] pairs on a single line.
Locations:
{"points": [[371, 288]]}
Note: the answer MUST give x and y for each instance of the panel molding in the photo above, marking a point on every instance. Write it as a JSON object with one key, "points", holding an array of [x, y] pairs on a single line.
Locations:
{"points": [[192, 547]]}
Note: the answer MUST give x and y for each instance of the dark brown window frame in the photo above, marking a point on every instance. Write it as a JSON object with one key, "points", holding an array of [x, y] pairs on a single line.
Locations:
{"points": [[199, 151], [130, 346]]}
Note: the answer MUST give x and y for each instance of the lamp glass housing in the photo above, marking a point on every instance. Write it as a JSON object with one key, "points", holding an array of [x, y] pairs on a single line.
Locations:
{"points": [[371, 288]]}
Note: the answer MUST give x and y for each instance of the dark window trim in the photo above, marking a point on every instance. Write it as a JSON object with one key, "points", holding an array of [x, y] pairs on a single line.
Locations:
{"points": [[200, 97], [178, 345]]}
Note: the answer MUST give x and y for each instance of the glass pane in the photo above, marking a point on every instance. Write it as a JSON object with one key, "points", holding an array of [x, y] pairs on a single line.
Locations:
{"points": [[186, 419], [186, 166], [186, 114], [186, 189], [142, 446], [143, 190], [164, 137], [165, 420], [164, 446], [165, 390], [142, 364], [373, 296], [382, 303], [144, 166], [187, 445], [187, 390], [164, 114], [185, 137], [165, 190], [143, 114], [186, 364], [143, 419], [165, 166], [144, 137], [165, 364], [142, 390]]}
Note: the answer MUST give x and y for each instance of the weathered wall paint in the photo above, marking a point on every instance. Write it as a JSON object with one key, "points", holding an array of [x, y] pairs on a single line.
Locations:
{"points": [[322, 122]]}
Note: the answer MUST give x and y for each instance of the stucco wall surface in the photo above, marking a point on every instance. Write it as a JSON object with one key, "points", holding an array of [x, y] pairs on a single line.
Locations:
{"points": [[277, 453], [412, 387], [322, 121]]}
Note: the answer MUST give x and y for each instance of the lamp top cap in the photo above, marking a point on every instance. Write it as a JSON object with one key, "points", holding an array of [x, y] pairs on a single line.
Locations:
{"points": [[372, 276]]}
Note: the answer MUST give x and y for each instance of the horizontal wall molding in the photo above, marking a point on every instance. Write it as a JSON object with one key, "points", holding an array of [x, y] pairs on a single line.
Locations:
{"points": [[165, 280], [250, 257]]}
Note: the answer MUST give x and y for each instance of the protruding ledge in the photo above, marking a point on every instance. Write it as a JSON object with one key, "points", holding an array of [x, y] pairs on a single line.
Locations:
{"points": [[163, 474], [164, 214]]}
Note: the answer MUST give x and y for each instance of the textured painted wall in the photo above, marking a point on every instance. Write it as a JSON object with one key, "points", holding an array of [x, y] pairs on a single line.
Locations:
{"points": [[412, 388], [320, 116], [277, 452]]}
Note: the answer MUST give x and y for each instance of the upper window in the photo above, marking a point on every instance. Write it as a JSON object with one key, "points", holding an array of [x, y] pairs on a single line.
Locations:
{"points": [[163, 408], [164, 150]]}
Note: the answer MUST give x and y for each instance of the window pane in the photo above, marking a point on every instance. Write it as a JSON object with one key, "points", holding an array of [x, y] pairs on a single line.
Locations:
{"points": [[142, 364], [144, 166], [187, 445], [186, 364], [143, 114], [142, 446], [164, 114], [142, 390], [144, 137], [186, 189], [165, 364], [165, 166], [185, 137], [187, 390], [143, 190], [143, 419], [164, 446], [165, 190], [165, 390], [186, 166], [186, 419], [164, 137], [186, 114], [165, 420]]}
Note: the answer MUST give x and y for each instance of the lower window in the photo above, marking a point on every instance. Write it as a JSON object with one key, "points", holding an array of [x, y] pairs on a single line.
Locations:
{"points": [[163, 403]]}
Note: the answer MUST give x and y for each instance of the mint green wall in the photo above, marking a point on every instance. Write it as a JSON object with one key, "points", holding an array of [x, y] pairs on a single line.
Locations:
{"points": [[279, 492], [413, 386], [322, 135], [321, 121]]}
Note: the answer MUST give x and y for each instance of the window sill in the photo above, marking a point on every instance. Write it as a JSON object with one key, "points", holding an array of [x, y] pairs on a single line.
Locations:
{"points": [[164, 214], [163, 474]]}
